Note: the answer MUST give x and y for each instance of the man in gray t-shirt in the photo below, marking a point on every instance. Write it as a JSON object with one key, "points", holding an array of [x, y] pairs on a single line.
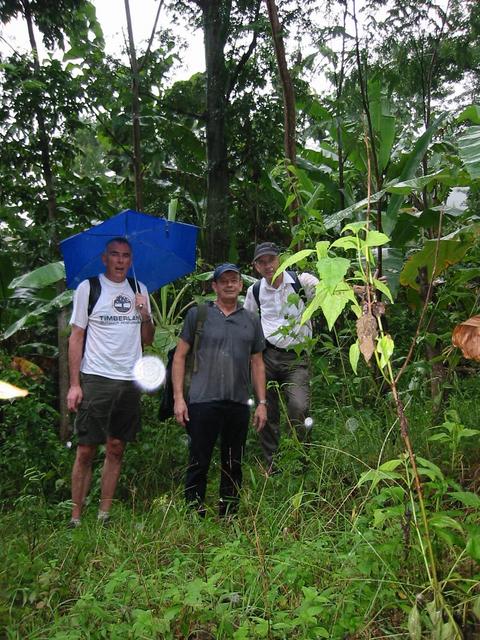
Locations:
{"points": [[228, 354]]}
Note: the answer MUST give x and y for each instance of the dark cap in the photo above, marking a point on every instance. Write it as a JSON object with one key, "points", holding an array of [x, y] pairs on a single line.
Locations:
{"points": [[226, 266], [266, 249]]}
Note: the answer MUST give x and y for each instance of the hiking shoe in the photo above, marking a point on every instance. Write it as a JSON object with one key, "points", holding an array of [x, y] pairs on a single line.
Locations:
{"points": [[74, 523], [104, 520]]}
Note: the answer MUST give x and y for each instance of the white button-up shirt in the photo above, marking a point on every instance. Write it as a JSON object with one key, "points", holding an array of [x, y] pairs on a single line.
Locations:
{"points": [[281, 319]]}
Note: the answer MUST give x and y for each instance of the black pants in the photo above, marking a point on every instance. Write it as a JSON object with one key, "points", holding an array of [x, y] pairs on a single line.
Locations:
{"points": [[208, 420]]}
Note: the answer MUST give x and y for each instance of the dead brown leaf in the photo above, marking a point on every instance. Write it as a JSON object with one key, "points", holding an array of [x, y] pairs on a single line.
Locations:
{"points": [[367, 331]]}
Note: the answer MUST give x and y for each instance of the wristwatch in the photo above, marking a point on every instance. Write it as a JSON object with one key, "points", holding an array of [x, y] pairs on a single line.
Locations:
{"points": [[262, 402]]}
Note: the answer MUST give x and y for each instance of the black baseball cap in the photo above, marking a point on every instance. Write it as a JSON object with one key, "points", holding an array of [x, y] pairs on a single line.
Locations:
{"points": [[266, 249], [226, 266]]}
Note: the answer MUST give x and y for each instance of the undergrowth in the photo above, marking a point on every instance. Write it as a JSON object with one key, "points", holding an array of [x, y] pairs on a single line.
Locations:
{"points": [[331, 547]]}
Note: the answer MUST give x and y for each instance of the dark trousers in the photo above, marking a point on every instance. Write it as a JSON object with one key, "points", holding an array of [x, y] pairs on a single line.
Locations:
{"points": [[292, 375], [208, 420]]}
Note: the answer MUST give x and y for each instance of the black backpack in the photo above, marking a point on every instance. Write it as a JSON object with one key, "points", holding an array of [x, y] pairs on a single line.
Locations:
{"points": [[296, 286], [191, 366]]}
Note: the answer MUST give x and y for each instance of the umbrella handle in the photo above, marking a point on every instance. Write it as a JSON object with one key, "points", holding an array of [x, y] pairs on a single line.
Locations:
{"points": [[135, 278]]}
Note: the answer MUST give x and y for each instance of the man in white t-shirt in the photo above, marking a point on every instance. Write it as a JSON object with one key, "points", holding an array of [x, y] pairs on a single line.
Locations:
{"points": [[283, 331], [101, 361]]}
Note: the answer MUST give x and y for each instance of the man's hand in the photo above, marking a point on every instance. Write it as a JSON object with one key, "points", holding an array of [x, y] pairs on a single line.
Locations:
{"points": [[74, 397], [141, 305], [260, 417], [180, 411]]}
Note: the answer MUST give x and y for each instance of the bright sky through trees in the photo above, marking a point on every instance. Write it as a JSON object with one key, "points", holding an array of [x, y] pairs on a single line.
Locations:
{"points": [[111, 16]]}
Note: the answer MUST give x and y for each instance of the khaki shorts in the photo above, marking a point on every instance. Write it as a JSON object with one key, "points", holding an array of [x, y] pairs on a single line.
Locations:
{"points": [[109, 409]]}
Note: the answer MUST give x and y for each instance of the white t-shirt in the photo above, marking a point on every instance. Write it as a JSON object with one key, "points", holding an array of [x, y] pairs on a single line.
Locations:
{"points": [[277, 313], [113, 343]]}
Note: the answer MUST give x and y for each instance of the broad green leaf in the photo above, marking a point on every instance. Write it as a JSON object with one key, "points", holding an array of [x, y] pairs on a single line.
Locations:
{"points": [[347, 242], [375, 476], [376, 239], [414, 624], [440, 437], [449, 252], [355, 227], [322, 249], [60, 301], [468, 498], [354, 355], [468, 433], [469, 151], [408, 172], [297, 257], [314, 197], [473, 547], [381, 286], [390, 465], [471, 113], [336, 218], [476, 607], [332, 304], [381, 515], [41, 277], [289, 200], [387, 137], [383, 121], [434, 469], [385, 347], [32, 85], [442, 521], [405, 187], [74, 53], [332, 271]]}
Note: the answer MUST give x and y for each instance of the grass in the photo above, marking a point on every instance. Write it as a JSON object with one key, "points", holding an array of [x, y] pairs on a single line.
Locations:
{"points": [[316, 552]]}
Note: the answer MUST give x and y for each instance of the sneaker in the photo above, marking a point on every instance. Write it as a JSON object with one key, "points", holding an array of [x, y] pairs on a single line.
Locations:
{"points": [[74, 523], [103, 519]]}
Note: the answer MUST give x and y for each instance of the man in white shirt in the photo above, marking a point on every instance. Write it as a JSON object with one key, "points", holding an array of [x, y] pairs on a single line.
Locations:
{"points": [[101, 362], [281, 323]]}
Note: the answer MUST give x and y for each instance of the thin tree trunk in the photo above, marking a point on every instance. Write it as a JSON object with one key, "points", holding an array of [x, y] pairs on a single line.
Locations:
{"points": [[287, 85], [137, 155], [338, 98], [44, 144], [289, 114], [216, 20]]}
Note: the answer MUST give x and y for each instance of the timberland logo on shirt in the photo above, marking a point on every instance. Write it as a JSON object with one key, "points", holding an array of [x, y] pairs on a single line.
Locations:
{"points": [[122, 304]]}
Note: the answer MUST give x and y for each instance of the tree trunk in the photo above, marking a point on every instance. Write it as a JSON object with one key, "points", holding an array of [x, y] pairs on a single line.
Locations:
{"points": [[287, 85], [289, 114], [44, 145], [137, 156], [216, 20]]}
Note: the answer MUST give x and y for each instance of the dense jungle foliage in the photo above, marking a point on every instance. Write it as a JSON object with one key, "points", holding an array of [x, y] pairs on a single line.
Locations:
{"points": [[369, 530]]}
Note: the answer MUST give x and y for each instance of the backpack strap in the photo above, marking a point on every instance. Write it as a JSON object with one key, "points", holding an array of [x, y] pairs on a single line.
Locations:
{"points": [[297, 286], [201, 317], [256, 294], [95, 291]]}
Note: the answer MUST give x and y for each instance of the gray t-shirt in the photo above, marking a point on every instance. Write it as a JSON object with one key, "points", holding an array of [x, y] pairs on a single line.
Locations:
{"points": [[223, 356]]}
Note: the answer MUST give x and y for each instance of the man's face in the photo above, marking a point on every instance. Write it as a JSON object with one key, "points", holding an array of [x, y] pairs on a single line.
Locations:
{"points": [[117, 260], [228, 286], [267, 266]]}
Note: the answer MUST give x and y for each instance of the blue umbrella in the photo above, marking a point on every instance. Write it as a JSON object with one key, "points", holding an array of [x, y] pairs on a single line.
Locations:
{"points": [[162, 250]]}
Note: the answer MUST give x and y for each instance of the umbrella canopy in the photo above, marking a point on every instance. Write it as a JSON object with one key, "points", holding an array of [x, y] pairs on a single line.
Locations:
{"points": [[162, 250]]}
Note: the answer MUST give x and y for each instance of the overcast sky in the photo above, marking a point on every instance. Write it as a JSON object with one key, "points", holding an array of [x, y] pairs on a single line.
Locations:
{"points": [[111, 16]]}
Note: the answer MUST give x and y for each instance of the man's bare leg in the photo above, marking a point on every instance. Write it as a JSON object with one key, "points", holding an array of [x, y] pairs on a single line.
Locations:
{"points": [[111, 472], [82, 477]]}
